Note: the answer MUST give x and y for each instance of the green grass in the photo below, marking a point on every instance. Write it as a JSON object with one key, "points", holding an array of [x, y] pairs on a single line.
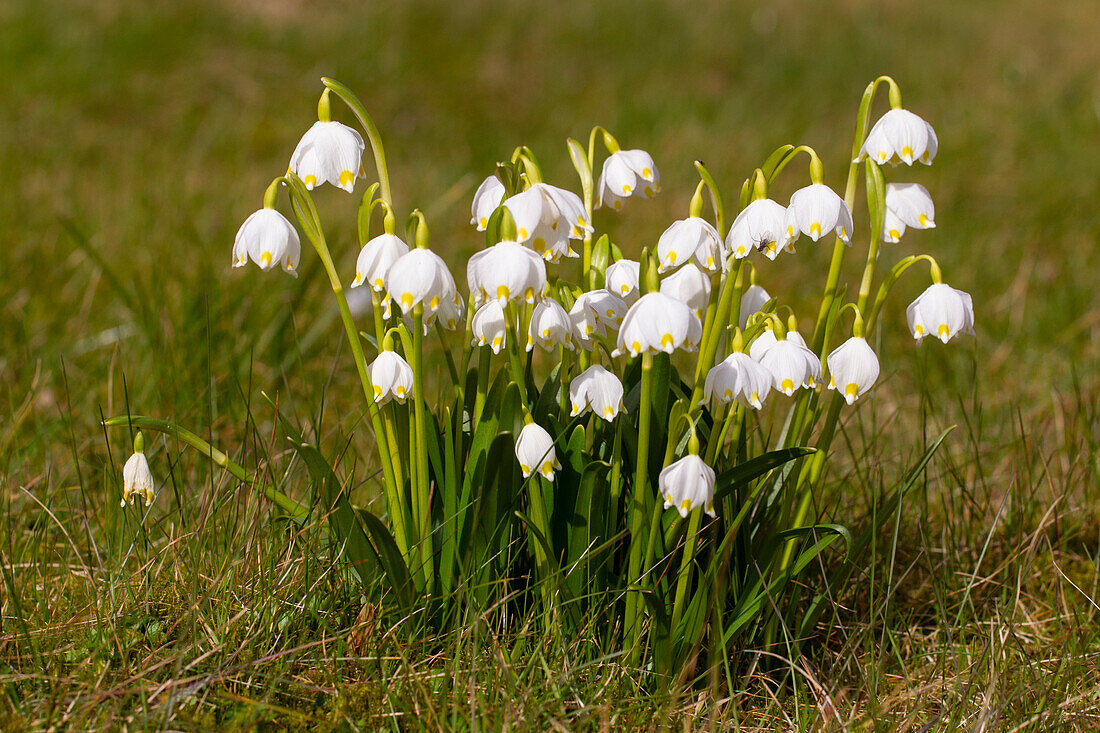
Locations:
{"points": [[136, 137]]}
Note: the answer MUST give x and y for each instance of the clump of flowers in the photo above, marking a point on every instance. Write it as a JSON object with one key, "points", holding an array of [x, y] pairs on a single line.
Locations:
{"points": [[664, 378]]}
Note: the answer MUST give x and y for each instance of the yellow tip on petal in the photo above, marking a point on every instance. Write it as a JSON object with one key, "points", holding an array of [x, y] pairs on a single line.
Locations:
{"points": [[636, 348], [497, 343], [815, 229], [626, 189], [522, 233], [851, 390], [667, 340], [672, 257], [399, 390], [647, 174], [907, 152], [685, 506], [787, 386], [503, 292], [943, 332], [923, 220], [377, 390], [529, 295], [895, 234], [378, 283], [918, 330], [265, 259], [483, 222], [347, 178], [407, 300], [609, 411]]}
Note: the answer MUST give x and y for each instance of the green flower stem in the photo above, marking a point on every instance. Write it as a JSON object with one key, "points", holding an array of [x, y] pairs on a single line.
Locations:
{"points": [[376, 312], [715, 197], [638, 499], [687, 565], [311, 224], [421, 492], [891, 279], [546, 580], [563, 378], [483, 356], [394, 501], [729, 306], [296, 511], [452, 369], [370, 128], [514, 362]]}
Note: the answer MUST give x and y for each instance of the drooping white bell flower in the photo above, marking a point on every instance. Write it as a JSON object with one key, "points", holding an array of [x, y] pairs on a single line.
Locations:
{"points": [[690, 286], [421, 276], [761, 225], [375, 260], [597, 389], [767, 339], [816, 210], [487, 198], [449, 315], [392, 378], [900, 136], [269, 240], [594, 313], [737, 377], [688, 484], [853, 366], [753, 301], [907, 205], [689, 238], [792, 365], [547, 217], [507, 271], [550, 326], [621, 278], [658, 322], [627, 173], [942, 311], [489, 327], [535, 452], [329, 152], [137, 480]]}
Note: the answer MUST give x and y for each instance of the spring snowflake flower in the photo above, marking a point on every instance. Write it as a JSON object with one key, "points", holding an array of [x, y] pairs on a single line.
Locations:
{"points": [[392, 378], [767, 339], [817, 209], [854, 365], [621, 278], [375, 260], [269, 240], [550, 326], [658, 322], [489, 327], [907, 205], [688, 484], [690, 286], [487, 198], [753, 301], [737, 377], [596, 312], [449, 315], [137, 480], [507, 271], [547, 217], [792, 365], [689, 238], [535, 452], [900, 136], [421, 276], [941, 310], [329, 152], [598, 389], [761, 225], [627, 173]]}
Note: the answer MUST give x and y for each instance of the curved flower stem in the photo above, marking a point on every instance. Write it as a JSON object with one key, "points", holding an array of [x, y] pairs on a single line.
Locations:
{"points": [[729, 307], [421, 493], [888, 283], [510, 322], [483, 353], [687, 565], [376, 313], [640, 492], [370, 128]]}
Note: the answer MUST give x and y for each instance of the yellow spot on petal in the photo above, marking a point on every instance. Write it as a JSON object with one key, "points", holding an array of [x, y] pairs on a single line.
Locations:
{"points": [[636, 347], [358, 278], [625, 289], [526, 469], [609, 411], [522, 233], [588, 330], [546, 333], [790, 230], [672, 257], [265, 259], [943, 331], [610, 313], [754, 398], [346, 178], [740, 252], [407, 300], [685, 506], [815, 229], [728, 394], [852, 390], [626, 189], [434, 302], [882, 155], [310, 181], [377, 390], [907, 152], [399, 390], [918, 329], [496, 343], [710, 262], [666, 340], [895, 234], [539, 243], [581, 221], [923, 220], [529, 295], [787, 386], [843, 232], [503, 291], [483, 222], [547, 470], [378, 284], [647, 174]]}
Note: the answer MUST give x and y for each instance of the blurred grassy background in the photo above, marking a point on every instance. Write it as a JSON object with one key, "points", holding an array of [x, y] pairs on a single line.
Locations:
{"points": [[153, 128]]}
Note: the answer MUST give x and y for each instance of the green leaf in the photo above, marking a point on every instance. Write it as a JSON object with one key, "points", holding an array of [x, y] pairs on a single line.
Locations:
{"points": [[730, 479], [876, 198]]}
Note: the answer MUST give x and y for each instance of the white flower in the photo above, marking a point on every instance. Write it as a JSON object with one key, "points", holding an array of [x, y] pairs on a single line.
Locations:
{"points": [[486, 200], [535, 452], [268, 239], [329, 152], [137, 480], [621, 278], [658, 322], [594, 313], [550, 326], [816, 209], [690, 286], [737, 377], [854, 365], [449, 314], [767, 339], [761, 225], [506, 271], [900, 136], [375, 260], [598, 389], [907, 205], [626, 173], [421, 277], [753, 301], [547, 217], [693, 237], [792, 365], [941, 310], [489, 327], [688, 484], [392, 378]]}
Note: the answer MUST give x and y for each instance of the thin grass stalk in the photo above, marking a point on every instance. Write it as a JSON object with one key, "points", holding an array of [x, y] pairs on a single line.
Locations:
{"points": [[421, 493], [637, 500]]}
